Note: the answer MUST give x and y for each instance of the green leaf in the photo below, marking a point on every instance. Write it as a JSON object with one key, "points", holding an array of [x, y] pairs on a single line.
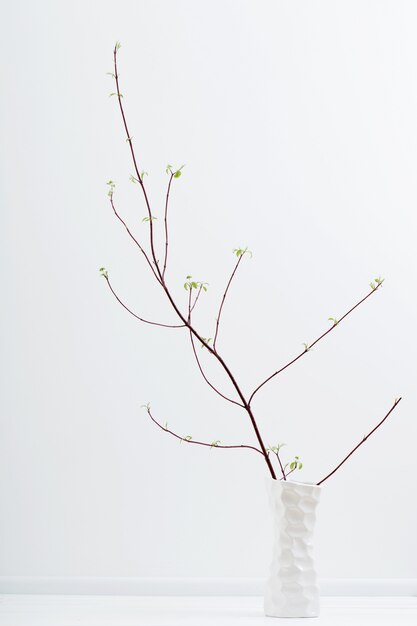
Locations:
{"points": [[241, 251], [118, 45], [103, 272]]}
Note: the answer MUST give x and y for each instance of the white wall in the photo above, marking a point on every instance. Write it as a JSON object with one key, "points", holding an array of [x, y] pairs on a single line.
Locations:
{"points": [[297, 122]]}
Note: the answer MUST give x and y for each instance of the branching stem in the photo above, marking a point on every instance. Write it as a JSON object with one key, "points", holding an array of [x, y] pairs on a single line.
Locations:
{"points": [[182, 317], [200, 367], [284, 477], [308, 348], [141, 319], [224, 298], [171, 176], [129, 232], [361, 442], [159, 274], [199, 443], [132, 152]]}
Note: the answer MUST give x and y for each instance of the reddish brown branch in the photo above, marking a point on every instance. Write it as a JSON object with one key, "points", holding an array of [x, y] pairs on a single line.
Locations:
{"points": [[166, 224], [231, 377], [200, 367], [196, 298], [199, 443], [361, 442], [184, 319], [133, 238], [134, 314], [314, 342], [129, 140], [280, 466], [224, 298]]}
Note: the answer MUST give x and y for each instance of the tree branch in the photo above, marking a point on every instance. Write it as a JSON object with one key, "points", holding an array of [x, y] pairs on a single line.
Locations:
{"points": [[200, 367], [198, 443], [308, 348], [129, 139], [133, 238], [361, 442], [224, 298], [286, 475], [166, 224], [183, 319], [280, 466], [196, 298], [134, 314]]}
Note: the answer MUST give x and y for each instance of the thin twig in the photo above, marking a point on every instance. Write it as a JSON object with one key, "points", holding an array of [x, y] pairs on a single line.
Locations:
{"points": [[280, 466], [189, 304], [224, 298], [134, 314], [199, 443], [129, 140], [133, 238], [196, 298], [166, 224], [290, 472], [308, 348], [361, 442], [200, 367]]}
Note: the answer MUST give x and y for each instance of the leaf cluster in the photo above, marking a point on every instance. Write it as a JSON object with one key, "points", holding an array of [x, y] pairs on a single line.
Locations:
{"points": [[296, 464], [194, 284], [376, 283], [175, 173], [241, 251], [111, 185]]}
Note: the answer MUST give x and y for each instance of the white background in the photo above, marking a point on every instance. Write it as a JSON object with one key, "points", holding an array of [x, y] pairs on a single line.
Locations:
{"points": [[297, 122]]}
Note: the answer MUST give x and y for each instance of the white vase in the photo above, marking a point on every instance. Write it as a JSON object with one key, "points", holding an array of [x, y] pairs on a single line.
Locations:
{"points": [[291, 588]]}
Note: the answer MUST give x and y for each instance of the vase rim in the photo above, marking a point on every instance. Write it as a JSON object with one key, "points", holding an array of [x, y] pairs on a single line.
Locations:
{"points": [[295, 482]]}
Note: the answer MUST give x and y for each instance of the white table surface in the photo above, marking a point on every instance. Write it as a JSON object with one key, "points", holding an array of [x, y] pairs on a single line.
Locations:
{"points": [[59, 610]]}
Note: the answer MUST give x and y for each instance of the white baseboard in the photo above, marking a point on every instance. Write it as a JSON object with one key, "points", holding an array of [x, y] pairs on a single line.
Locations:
{"points": [[194, 586]]}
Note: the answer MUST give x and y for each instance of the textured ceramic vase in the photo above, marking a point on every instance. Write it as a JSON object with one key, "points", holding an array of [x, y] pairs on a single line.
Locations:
{"points": [[292, 589]]}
